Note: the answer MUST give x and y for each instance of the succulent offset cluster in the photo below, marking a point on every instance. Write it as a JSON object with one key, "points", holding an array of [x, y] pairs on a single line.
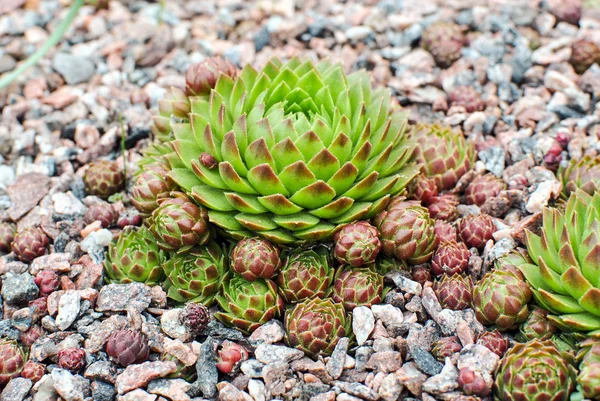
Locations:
{"points": [[583, 174], [584, 53], [444, 40]]}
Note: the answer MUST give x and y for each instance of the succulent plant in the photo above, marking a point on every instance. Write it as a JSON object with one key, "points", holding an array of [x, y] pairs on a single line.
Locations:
{"points": [[30, 244], [483, 188], [583, 174], [187, 373], [72, 359], [500, 298], [441, 31], [563, 273], [315, 326], [494, 341], [421, 274], [385, 265], [175, 106], [12, 359], [7, 236], [588, 357], [152, 184], [135, 256], [472, 381], [468, 97], [444, 154], [446, 347], [537, 326], [357, 287], [423, 188], [289, 152], [229, 356], [450, 258], [102, 212], [129, 218], [445, 53], [536, 370], [254, 258], [445, 231], [476, 230], [47, 281], [195, 317], [178, 223], [202, 77], [584, 53], [31, 335], [196, 276], [454, 292], [406, 231], [103, 178], [305, 274], [33, 371], [443, 207], [127, 347], [248, 304], [357, 244]]}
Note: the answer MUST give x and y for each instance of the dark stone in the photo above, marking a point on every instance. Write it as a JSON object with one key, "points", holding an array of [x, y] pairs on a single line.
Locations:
{"points": [[262, 39], [218, 330], [425, 361], [7, 331], [208, 375], [20, 288], [135, 135], [103, 391]]}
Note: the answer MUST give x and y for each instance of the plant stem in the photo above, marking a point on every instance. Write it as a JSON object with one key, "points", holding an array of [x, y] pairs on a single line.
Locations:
{"points": [[8, 78], [123, 150]]}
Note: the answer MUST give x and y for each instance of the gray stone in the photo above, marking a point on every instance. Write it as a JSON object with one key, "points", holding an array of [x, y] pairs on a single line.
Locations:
{"points": [[445, 381], [357, 390], [425, 361], [19, 288], [494, 158], [68, 309], [269, 333], [16, 389], [267, 353], [256, 389], [8, 331], [67, 385], [173, 389], [74, 69], [121, 297], [102, 391], [363, 323], [388, 314], [206, 367], [335, 365], [136, 376], [171, 325], [390, 388], [101, 370], [252, 368], [22, 319]]}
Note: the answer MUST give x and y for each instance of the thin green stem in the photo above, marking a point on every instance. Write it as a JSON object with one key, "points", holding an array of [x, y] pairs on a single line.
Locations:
{"points": [[57, 35]]}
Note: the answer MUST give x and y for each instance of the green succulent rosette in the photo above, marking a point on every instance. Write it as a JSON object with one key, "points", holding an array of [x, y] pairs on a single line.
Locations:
{"points": [[565, 272], [306, 273], [248, 304], [534, 371], [583, 174], [135, 256], [197, 275], [296, 150]]}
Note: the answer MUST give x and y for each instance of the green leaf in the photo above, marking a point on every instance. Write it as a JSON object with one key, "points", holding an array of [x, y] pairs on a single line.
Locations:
{"points": [[184, 178]]}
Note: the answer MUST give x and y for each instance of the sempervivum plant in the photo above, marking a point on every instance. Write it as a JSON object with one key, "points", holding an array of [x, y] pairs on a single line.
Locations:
{"points": [[7, 235], [72, 359], [134, 257], [357, 287], [584, 53], [443, 207], [444, 231], [195, 317], [47, 281], [444, 40], [151, 185], [30, 244], [564, 270], [537, 326], [178, 223], [102, 212], [315, 326], [476, 230], [305, 274], [248, 304], [289, 152], [588, 380], [483, 188], [103, 179], [406, 231], [500, 298], [444, 154], [12, 359], [127, 347], [201, 78], [196, 276], [533, 371], [446, 347], [468, 97], [357, 244], [385, 265], [254, 258], [33, 371], [450, 258], [581, 174], [423, 188], [494, 341], [454, 292], [230, 356]]}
